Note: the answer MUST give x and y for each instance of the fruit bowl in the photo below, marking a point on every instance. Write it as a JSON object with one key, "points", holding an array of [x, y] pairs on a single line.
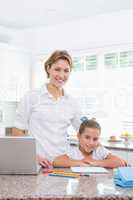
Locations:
{"points": [[116, 140], [126, 136]]}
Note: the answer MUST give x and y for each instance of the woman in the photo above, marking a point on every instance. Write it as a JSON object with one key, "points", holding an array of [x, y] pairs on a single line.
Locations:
{"points": [[49, 111]]}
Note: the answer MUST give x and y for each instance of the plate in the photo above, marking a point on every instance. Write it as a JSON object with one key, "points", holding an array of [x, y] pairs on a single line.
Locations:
{"points": [[115, 140], [128, 137]]}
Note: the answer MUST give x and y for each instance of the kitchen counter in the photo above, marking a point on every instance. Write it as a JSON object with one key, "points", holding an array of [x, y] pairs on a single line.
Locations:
{"points": [[118, 145], [100, 186], [121, 145]]}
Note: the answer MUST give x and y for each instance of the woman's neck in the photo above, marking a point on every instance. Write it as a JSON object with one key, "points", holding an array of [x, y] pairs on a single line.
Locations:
{"points": [[55, 91]]}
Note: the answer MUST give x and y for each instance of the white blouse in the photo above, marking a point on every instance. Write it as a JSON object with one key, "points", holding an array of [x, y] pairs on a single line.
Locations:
{"points": [[47, 120]]}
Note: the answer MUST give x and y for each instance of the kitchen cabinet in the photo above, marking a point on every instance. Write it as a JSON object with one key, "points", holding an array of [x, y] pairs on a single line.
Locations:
{"points": [[121, 153], [15, 74], [130, 157], [124, 154]]}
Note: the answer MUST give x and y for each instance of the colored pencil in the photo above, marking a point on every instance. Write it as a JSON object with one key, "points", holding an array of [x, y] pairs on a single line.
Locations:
{"points": [[61, 175], [65, 173]]}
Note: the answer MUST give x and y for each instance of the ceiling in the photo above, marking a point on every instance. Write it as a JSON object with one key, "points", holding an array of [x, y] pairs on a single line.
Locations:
{"points": [[22, 14]]}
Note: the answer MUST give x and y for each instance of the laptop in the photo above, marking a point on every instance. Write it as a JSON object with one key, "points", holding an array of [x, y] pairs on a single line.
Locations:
{"points": [[18, 155]]}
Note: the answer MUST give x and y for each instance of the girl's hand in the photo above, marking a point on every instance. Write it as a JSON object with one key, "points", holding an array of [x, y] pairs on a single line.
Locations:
{"points": [[83, 164], [122, 163], [107, 162], [44, 162], [89, 161]]}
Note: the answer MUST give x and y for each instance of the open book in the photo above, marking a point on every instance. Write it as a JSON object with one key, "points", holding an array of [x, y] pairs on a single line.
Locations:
{"points": [[89, 170]]}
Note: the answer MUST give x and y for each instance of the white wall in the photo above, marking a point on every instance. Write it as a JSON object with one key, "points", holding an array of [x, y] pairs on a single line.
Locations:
{"points": [[86, 33], [92, 33], [95, 34]]}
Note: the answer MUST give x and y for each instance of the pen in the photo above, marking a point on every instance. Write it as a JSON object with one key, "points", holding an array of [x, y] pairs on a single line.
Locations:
{"points": [[61, 175]]}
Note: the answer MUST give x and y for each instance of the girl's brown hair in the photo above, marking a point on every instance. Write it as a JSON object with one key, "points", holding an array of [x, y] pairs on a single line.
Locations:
{"points": [[89, 124], [55, 56]]}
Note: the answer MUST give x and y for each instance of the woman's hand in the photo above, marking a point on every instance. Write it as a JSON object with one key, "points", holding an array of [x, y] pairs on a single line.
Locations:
{"points": [[44, 162]]}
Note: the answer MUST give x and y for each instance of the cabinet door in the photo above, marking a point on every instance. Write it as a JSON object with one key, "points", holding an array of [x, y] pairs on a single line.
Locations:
{"points": [[130, 157], [120, 153], [15, 74]]}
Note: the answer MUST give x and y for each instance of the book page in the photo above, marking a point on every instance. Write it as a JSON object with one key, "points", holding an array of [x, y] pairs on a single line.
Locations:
{"points": [[89, 169]]}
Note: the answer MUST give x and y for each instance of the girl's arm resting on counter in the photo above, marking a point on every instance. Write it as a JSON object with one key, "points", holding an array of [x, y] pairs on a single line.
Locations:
{"points": [[65, 161], [111, 161], [18, 132]]}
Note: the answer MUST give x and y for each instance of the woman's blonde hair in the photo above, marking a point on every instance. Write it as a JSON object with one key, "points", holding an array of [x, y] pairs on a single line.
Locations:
{"points": [[55, 56]]}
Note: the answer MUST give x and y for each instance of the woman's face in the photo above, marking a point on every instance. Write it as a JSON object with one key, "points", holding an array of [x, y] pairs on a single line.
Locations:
{"points": [[59, 73]]}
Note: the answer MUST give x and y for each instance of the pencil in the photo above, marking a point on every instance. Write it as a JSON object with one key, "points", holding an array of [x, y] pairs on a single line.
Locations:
{"points": [[61, 175], [65, 173]]}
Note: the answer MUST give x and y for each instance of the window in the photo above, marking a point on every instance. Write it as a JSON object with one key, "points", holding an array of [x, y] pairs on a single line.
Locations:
{"points": [[118, 60], [78, 63], [111, 60], [90, 62], [85, 62], [126, 59]]}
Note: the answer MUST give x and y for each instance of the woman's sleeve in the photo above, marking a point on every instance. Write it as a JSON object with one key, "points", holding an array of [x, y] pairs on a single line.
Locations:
{"points": [[69, 152], [76, 120], [23, 113], [101, 153]]}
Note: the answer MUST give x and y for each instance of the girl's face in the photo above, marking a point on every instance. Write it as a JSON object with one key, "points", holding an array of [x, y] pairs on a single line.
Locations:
{"points": [[89, 139], [59, 73]]}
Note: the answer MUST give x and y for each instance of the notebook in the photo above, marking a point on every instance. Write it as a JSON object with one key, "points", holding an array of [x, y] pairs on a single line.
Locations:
{"points": [[126, 174], [95, 170], [119, 182]]}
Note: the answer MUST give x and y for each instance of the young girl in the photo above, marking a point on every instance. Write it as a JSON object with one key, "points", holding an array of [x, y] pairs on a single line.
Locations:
{"points": [[89, 151]]}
